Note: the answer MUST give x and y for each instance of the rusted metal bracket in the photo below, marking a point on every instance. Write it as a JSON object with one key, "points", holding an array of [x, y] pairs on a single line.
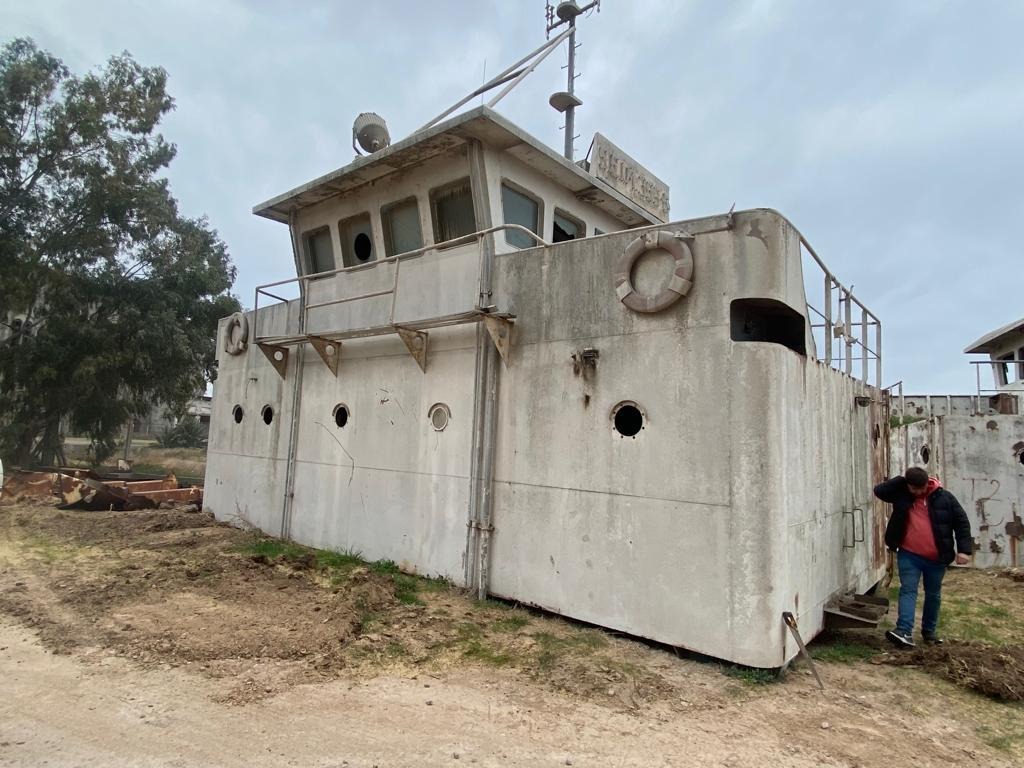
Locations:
{"points": [[278, 357], [790, 620], [500, 330], [416, 342], [329, 351]]}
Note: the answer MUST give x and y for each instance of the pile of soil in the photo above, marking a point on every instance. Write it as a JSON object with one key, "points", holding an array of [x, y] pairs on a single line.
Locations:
{"points": [[995, 672]]}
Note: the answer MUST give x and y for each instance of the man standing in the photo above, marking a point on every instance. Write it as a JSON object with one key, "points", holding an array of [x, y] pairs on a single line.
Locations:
{"points": [[925, 518]]}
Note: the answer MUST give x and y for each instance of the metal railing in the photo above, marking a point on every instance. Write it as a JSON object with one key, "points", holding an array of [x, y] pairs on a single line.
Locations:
{"points": [[840, 323], [994, 365], [393, 290]]}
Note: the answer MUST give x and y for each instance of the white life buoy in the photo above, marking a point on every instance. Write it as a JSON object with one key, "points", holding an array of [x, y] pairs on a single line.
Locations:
{"points": [[679, 284], [236, 342]]}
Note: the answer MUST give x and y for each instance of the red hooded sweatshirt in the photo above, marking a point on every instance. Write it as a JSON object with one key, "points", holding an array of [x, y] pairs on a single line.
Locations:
{"points": [[920, 538]]}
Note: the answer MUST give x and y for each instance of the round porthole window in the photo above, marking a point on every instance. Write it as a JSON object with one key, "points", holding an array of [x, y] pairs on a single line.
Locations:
{"points": [[341, 415], [926, 453], [238, 414], [439, 415], [363, 247], [268, 414], [627, 419]]}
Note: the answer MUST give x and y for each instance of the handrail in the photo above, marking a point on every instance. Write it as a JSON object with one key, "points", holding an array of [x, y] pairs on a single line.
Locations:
{"points": [[397, 259], [843, 327]]}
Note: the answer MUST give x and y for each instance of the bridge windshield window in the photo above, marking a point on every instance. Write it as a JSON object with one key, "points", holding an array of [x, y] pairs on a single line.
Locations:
{"points": [[451, 208], [319, 251], [523, 209], [402, 232], [356, 240], [566, 227]]}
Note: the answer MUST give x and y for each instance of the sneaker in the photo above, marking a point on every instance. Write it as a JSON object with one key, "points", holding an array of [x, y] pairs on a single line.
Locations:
{"points": [[900, 639], [930, 638]]}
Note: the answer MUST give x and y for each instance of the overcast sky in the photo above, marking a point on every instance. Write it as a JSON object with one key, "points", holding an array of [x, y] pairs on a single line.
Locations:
{"points": [[889, 133]]}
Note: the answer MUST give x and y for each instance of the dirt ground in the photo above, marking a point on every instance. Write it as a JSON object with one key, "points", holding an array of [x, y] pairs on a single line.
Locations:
{"points": [[161, 638]]}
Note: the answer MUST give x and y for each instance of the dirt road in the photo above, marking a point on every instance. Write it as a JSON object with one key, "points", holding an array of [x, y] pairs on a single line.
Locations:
{"points": [[163, 639]]}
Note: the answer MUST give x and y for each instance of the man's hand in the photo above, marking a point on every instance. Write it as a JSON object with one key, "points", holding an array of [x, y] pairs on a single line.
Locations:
{"points": [[962, 559]]}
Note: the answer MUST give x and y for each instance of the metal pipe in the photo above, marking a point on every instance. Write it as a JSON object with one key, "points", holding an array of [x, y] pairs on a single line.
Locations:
{"points": [[878, 354], [293, 427], [539, 57], [487, 469], [570, 112], [497, 80], [411, 254], [347, 299], [847, 331], [864, 344], [828, 317]]}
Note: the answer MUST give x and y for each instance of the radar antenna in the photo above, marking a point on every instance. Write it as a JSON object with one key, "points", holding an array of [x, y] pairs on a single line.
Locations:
{"points": [[564, 101]]}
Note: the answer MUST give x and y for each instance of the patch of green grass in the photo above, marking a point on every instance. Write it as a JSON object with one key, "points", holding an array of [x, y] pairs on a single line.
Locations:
{"points": [[751, 675], [47, 549], [407, 589], [1009, 742], [842, 652], [272, 548], [384, 567], [510, 623], [477, 650], [344, 561]]}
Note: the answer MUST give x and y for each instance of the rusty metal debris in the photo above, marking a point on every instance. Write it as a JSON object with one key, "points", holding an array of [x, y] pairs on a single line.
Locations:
{"points": [[84, 489]]}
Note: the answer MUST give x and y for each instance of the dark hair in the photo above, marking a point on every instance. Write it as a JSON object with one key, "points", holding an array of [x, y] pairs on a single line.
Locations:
{"points": [[916, 477]]}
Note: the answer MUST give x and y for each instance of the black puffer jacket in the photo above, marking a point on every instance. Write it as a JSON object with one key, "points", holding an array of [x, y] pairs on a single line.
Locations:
{"points": [[947, 516]]}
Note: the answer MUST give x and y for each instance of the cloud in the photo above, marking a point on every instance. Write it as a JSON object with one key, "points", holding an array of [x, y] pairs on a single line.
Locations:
{"points": [[889, 133]]}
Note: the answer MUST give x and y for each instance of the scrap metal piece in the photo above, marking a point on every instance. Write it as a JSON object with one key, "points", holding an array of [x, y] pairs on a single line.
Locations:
{"points": [[329, 351], [791, 623], [277, 355], [416, 342], [500, 330]]}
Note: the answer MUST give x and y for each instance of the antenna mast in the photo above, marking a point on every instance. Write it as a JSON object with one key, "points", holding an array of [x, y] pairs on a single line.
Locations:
{"points": [[566, 101]]}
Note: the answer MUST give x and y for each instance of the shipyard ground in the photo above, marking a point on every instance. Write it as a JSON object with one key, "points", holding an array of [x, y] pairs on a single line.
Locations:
{"points": [[162, 638]]}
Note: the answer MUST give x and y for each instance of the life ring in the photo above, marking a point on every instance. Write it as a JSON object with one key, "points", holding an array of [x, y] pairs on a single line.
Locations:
{"points": [[235, 344], [678, 246]]}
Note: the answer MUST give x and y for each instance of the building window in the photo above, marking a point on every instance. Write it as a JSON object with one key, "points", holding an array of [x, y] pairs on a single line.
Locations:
{"points": [[356, 240], [451, 208], [402, 232], [598, 232], [1020, 365], [319, 251], [565, 227], [522, 209]]}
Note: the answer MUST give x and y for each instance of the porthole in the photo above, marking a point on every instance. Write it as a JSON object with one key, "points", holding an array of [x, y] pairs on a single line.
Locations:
{"points": [[439, 415], [627, 419], [238, 413], [268, 414], [926, 453], [341, 415]]}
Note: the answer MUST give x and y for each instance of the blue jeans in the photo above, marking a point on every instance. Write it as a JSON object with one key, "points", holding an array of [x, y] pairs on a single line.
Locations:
{"points": [[912, 567]]}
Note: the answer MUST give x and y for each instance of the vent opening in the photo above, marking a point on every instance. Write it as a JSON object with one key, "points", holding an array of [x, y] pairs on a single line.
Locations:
{"points": [[767, 320]]}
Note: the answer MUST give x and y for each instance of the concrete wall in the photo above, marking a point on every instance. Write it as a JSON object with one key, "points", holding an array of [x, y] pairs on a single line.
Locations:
{"points": [[979, 459], [730, 506], [738, 500]]}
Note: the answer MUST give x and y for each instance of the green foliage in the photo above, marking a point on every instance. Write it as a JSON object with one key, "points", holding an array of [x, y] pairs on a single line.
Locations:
{"points": [[187, 433], [752, 675], [110, 297], [842, 652], [897, 421]]}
